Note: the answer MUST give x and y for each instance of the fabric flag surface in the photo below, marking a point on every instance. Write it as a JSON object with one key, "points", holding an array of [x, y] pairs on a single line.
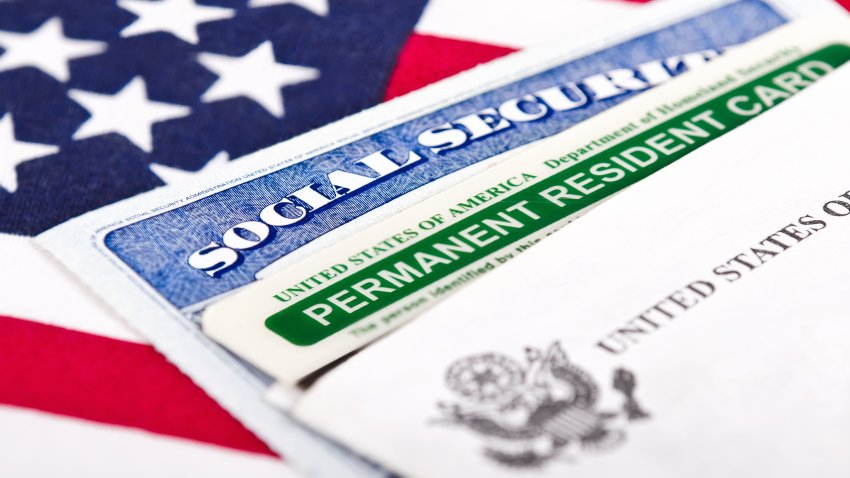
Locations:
{"points": [[103, 99]]}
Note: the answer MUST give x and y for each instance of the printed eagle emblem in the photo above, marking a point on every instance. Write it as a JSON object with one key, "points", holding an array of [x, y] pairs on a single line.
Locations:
{"points": [[530, 414]]}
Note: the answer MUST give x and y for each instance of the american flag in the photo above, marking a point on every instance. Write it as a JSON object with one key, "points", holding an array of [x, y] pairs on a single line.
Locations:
{"points": [[103, 99]]}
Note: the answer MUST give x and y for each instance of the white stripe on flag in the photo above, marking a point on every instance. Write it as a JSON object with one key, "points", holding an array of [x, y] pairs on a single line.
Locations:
{"points": [[37, 288], [37, 444], [522, 24]]}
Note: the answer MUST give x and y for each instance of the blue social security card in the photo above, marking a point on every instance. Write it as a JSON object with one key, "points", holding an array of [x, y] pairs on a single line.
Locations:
{"points": [[215, 244]]}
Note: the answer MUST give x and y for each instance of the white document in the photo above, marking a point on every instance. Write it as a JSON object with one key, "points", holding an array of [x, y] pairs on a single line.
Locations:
{"points": [[695, 325]]}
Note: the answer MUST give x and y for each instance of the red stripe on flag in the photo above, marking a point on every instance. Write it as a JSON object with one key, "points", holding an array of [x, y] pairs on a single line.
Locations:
{"points": [[425, 59], [845, 4], [111, 381]]}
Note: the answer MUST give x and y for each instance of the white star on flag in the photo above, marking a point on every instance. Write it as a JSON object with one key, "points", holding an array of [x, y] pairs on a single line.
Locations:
{"points": [[45, 48], [178, 17], [14, 152], [129, 113], [319, 7], [170, 175], [256, 75]]}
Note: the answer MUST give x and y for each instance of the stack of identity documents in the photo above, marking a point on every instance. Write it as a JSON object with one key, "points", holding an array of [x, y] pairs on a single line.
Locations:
{"points": [[622, 257]]}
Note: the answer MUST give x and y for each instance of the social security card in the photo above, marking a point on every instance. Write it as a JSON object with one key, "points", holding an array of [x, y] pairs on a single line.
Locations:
{"points": [[207, 247]]}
